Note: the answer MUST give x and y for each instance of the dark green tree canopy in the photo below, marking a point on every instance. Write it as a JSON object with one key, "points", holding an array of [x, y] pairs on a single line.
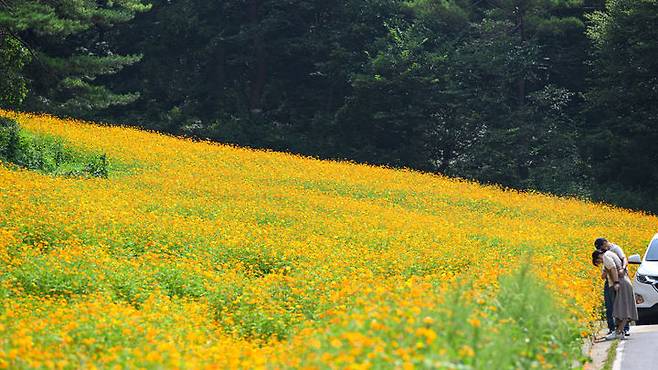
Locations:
{"points": [[58, 48], [624, 95]]}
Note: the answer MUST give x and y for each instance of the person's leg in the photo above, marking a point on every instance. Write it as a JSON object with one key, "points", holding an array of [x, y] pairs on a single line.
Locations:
{"points": [[608, 297], [620, 326]]}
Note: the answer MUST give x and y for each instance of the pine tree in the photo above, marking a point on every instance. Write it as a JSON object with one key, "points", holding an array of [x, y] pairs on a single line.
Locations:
{"points": [[59, 44]]}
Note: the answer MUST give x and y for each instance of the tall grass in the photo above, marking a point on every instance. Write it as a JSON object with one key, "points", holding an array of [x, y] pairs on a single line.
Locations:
{"points": [[517, 326]]}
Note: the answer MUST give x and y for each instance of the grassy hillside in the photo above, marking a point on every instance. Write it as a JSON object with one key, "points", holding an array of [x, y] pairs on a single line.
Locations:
{"points": [[192, 254]]}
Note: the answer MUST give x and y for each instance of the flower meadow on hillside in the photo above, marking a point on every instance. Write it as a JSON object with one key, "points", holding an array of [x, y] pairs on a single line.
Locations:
{"points": [[198, 255]]}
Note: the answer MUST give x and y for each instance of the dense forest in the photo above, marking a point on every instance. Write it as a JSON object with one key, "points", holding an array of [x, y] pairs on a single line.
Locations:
{"points": [[553, 95]]}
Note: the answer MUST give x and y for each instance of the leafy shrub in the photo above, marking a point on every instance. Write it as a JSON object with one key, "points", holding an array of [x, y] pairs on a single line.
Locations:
{"points": [[9, 139], [48, 154], [98, 166]]}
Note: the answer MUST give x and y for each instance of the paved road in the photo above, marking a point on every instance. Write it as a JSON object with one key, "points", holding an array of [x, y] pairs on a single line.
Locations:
{"points": [[639, 351]]}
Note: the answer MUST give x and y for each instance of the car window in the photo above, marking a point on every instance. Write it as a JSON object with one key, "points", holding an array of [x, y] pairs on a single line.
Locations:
{"points": [[652, 253]]}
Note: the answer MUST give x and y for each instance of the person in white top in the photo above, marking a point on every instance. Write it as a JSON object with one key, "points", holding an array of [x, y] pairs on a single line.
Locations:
{"points": [[608, 293], [619, 296]]}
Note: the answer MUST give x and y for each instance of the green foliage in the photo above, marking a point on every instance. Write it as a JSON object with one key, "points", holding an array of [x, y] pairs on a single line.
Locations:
{"points": [[612, 354], [535, 325], [9, 138], [177, 282], [69, 54], [42, 276], [48, 154], [130, 285], [623, 116], [519, 326], [240, 312], [44, 236], [13, 58], [628, 197], [98, 166], [479, 104], [267, 73]]}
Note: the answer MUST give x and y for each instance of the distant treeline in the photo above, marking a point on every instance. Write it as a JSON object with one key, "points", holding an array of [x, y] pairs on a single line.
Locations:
{"points": [[558, 96]]}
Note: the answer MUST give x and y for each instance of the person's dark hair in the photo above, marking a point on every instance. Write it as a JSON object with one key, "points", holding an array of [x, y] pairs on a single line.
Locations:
{"points": [[595, 256], [598, 243]]}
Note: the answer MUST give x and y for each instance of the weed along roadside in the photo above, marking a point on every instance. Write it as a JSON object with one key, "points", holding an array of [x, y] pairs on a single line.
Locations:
{"points": [[600, 353], [192, 255]]}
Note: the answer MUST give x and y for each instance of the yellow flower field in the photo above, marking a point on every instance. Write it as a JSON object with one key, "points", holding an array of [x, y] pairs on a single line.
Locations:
{"points": [[198, 255]]}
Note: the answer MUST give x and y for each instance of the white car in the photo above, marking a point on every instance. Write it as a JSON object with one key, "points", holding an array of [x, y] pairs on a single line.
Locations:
{"points": [[645, 283]]}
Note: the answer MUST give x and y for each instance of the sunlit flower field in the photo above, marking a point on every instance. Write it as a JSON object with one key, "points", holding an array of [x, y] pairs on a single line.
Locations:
{"points": [[199, 255]]}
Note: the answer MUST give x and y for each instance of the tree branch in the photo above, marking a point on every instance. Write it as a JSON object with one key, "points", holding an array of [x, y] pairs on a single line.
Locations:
{"points": [[27, 46]]}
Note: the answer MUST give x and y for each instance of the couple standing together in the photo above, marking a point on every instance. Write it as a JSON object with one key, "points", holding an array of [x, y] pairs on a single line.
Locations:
{"points": [[618, 293]]}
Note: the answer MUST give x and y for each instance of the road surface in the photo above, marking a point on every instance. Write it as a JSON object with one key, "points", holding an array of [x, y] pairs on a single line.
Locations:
{"points": [[639, 351]]}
